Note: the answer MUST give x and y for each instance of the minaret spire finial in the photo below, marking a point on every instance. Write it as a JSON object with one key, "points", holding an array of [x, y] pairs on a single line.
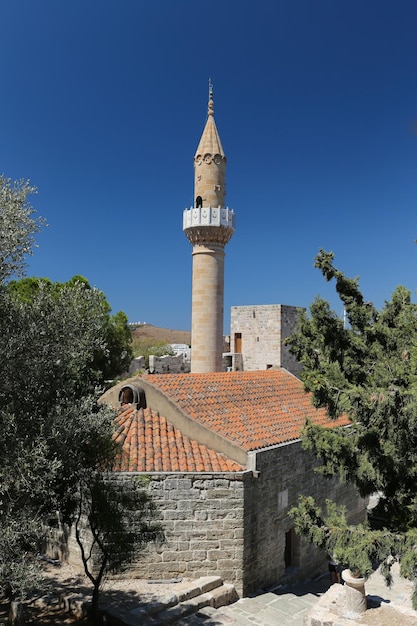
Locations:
{"points": [[211, 102]]}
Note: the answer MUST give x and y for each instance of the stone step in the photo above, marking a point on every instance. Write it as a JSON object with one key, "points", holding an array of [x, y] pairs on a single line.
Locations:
{"points": [[208, 591], [187, 590], [189, 598]]}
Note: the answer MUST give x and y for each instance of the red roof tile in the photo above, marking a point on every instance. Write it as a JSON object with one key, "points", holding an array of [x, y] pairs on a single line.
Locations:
{"points": [[151, 444], [251, 409]]}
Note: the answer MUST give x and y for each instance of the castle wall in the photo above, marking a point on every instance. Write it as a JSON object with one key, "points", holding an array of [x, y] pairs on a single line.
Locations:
{"points": [[137, 364], [263, 328]]}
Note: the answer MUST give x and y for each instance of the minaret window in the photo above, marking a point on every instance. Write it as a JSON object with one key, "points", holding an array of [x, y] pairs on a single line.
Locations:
{"points": [[199, 202]]}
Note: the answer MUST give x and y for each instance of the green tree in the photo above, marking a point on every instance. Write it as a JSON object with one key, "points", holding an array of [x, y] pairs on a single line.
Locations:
{"points": [[365, 367], [55, 440], [51, 428], [115, 359], [27, 288], [113, 356], [18, 226]]}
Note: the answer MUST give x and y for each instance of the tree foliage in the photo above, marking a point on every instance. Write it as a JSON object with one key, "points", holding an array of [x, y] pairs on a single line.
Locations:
{"points": [[115, 359], [112, 357], [364, 367], [18, 226], [55, 440], [51, 428], [50, 424]]}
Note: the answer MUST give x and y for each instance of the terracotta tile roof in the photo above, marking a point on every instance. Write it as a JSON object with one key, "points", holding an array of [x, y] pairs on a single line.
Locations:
{"points": [[252, 409], [151, 444]]}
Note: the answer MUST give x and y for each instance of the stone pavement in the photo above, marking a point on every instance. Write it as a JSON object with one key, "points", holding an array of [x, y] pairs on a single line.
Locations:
{"points": [[283, 606], [287, 606]]}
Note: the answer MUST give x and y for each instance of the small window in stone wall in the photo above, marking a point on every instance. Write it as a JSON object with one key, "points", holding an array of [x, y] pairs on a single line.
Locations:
{"points": [[282, 499], [199, 202]]}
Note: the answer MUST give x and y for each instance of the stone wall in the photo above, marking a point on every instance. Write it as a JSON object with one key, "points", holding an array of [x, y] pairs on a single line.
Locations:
{"points": [[168, 364], [289, 321], [235, 525], [137, 365], [285, 472], [202, 516], [263, 329]]}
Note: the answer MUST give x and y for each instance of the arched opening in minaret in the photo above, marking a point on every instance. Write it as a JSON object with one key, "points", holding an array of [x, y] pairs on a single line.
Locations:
{"points": [[199, 202]]}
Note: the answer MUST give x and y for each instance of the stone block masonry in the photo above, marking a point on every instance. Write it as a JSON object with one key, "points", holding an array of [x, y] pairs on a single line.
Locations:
{"points": [[271, 545], [236, 525], [258, 333], [202, 516], [168, 364]]}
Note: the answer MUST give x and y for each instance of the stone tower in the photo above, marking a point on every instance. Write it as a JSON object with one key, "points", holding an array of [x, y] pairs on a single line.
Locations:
{"points": [[208, 226]]}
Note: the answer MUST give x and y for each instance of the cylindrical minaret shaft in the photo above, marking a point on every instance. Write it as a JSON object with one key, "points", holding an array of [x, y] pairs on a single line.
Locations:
{"points": [[208, 225], [207, 308]]}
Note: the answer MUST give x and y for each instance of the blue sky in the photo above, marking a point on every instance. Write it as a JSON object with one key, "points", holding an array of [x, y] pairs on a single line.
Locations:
{"points": [[103, 104]]}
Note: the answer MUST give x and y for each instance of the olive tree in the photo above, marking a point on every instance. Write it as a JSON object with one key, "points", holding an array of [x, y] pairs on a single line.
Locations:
{"points": [[18, 226], [55, 440], [110, 359], [119, 518]]}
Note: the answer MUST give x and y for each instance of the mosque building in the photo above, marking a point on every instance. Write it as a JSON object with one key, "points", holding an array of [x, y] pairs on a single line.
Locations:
{"points": [[222, 449]]}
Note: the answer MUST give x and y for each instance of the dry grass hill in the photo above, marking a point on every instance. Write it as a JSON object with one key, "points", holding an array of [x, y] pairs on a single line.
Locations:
{"points": [[154, 333]]}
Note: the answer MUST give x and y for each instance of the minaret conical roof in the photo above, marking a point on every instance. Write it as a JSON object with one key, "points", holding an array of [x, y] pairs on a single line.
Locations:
{"points": [[210, 139]]}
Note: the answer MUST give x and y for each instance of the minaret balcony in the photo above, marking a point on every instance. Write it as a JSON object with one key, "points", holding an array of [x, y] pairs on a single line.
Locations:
{"points": [[209, 216], [208, 225]]}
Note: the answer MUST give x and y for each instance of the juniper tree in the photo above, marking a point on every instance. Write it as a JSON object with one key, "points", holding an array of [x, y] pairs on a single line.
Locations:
{"points": [[365, 367]]}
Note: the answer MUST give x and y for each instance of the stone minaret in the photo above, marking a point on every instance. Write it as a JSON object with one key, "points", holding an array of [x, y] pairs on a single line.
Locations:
{"points": [[208, 226]]}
